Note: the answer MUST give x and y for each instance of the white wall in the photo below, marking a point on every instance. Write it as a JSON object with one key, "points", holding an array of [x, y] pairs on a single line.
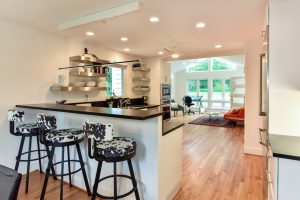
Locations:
{"points": [[284, 95], [29, 66], [252, 119]]}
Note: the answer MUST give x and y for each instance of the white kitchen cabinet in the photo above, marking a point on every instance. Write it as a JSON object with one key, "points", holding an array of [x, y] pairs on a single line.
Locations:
{"points": [[288, 179]]}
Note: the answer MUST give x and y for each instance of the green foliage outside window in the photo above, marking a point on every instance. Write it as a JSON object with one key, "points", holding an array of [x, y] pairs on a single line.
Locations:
{"points": [[200, 67], [227, 85], [217, 85], [203, 85], [109, 83], [192, 86], [219, 65]]}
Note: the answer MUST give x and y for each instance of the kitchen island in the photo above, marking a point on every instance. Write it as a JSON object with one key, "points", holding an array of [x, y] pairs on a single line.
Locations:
{"points": [[158, 162]]}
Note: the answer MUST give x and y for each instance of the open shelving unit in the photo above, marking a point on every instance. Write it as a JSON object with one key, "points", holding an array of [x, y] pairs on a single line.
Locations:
{"points": [[140, 80], [83, 74], [76, 88]]}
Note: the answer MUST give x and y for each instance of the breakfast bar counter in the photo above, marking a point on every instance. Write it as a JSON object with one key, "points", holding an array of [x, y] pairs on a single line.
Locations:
{"points": [[158, 161]]}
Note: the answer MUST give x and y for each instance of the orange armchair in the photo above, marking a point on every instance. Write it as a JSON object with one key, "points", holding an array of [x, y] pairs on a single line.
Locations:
{"points": [[236, 114]]}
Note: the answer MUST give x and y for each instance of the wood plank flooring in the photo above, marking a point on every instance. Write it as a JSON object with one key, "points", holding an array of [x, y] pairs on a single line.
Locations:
{"points": [[214, 168]]}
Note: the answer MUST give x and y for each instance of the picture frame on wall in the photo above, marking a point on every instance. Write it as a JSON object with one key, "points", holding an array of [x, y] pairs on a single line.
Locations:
{"points": [[263, 85]]}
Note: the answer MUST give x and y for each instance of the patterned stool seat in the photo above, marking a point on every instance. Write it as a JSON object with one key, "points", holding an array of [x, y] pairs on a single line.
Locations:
{"points": [[28, 128], [65, 135], [117, 148]]}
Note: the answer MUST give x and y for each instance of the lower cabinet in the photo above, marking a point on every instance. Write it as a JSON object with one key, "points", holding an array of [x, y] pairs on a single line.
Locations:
{"points": [[283, 179], [271, 176]]}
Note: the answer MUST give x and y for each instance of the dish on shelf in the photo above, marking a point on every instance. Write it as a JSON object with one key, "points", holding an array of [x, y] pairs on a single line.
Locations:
{"points": [[78, 84], [91, 83]]}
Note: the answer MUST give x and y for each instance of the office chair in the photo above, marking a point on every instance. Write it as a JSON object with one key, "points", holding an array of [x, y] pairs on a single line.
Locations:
{"points": [[187, 101]]}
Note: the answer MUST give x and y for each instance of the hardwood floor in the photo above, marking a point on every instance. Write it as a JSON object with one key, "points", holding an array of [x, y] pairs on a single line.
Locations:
{"points": [[214, 168]]}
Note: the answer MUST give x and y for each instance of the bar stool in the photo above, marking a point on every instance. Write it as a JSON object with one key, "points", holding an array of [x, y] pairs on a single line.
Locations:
{"points": [[102, 146], [25, 131], [61, 138]]}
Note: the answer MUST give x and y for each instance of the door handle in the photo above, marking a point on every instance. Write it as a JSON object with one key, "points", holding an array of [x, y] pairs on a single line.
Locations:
{"points": [[261, 138]]}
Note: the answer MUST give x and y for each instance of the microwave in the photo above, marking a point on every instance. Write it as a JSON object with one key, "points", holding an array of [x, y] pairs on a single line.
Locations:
{"points": [[165, 90]]}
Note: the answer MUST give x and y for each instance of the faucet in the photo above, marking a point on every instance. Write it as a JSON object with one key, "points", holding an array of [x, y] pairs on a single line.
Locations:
{"points": [[123, 102]]}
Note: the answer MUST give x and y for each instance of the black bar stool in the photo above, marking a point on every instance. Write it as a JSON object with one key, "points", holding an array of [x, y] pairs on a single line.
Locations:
{"points": [[61, 138], [102, 146], [25, 131]]}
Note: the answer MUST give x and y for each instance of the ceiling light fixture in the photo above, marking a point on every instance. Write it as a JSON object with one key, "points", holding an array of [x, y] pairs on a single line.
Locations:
{"points": [[126, 49], [161, 53], [89, 33], [175, 55], [218, 46], [200, 25], [154, 19], [124, 39]]}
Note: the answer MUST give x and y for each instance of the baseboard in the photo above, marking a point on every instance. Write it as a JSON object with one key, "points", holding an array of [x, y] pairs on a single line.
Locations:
{"points": [[254, 150], [174, 191]]}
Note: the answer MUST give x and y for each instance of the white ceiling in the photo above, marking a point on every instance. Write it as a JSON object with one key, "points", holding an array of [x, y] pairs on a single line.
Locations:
{"points": [[228, 22]]}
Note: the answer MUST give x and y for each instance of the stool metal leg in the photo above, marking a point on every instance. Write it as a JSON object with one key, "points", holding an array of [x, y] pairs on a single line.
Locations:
{"points": [[97, 178], [28, 164], [69, 166], [83, 170], [62, 172], [134, 183], [19, 153], [51, 154], [115, 181], [52, 168], [39, 153]]}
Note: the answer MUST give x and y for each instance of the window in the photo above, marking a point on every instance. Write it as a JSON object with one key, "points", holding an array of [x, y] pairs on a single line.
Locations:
{"points": [[203, 85], [192, 88], [115, 82], [227, 89], [219, 65], [217, 89], [201, 66]]}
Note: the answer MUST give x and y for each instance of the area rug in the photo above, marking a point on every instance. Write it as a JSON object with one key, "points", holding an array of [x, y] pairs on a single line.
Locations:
{"points": [[213, 121]]}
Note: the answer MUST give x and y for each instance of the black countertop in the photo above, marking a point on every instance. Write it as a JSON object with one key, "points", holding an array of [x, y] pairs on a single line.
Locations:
{"points": [[99, 111], [170, 126], [284, 146]]}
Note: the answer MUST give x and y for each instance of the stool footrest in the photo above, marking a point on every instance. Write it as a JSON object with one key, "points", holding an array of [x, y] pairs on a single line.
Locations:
{"points": [[34, 159], [120, 196], [73, 172]]}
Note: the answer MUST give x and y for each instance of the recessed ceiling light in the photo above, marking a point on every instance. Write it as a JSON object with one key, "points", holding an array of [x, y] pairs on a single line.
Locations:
{"points": [[154, 19], [200, 25], [89, 33], [124, 39], [126, 49], [175, 55], [160, 52], [218, 46]]}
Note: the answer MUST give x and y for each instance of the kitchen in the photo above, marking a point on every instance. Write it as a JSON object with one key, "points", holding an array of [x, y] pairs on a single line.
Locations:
{"points": [[36, 43]]}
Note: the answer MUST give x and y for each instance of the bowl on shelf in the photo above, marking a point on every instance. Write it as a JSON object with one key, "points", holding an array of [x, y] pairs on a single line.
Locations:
{"points": [[91, 83], [78, 84]]}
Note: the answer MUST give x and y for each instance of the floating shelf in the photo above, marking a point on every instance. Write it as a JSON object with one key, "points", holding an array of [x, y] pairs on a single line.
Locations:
{"points": [[87, 74], [76, 89], [137, 89], [141, 69], [143, 79]]}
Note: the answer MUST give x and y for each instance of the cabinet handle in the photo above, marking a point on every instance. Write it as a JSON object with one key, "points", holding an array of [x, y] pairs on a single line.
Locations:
{"points": [[260, 137]]}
